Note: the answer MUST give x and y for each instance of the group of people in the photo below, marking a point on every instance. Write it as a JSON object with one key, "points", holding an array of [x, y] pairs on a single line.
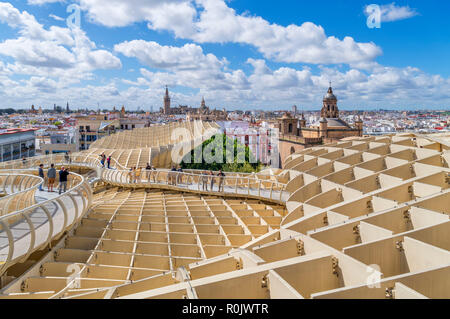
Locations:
{"points": [[135, 174], [175, 177], [209, 178], [106, 160], [51, 175]]}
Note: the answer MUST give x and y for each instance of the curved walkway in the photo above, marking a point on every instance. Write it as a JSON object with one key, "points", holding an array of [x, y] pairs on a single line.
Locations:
{"points": [[234, 185], [256, 185], [32, 228], [46, 216]]}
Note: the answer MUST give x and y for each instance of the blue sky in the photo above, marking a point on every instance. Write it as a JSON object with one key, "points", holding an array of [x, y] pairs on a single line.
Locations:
{"points": [[239, 54]]}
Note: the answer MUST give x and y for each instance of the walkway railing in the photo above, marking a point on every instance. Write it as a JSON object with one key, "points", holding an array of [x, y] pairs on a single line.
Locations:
{"points": [[260, 175], [234, 184], [19, 190], [247, 184], [32, 228], [87, 160]]}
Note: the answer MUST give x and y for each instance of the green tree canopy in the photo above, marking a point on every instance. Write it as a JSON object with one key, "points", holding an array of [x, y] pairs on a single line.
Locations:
{"points": [[222, 153]]}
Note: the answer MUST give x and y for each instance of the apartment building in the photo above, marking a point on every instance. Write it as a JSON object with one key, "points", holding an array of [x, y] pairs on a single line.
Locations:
{"points": [[16, 143], [93, 127], [59, 141]]}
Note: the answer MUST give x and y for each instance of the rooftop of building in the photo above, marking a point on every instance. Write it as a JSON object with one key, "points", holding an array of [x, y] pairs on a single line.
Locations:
{"points": [[16, 130]]}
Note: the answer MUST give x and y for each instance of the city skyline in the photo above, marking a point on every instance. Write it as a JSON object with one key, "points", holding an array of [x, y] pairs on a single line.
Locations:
{"points": [[265, 58]]}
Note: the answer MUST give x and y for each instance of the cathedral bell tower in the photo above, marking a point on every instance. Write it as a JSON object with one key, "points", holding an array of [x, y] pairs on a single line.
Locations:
{"points": [[167, 102]]}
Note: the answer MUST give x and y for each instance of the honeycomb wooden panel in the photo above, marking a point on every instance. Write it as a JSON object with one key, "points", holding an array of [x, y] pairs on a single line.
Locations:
{"points": [[366, 218]]}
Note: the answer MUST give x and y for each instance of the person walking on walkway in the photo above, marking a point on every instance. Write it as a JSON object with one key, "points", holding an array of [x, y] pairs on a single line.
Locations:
{"points": [[204, 180], [63, 173], [211, 176], [102, 161], [130, 176], [24, 161], [138, 175], [221, 180], [154, 173], [108, 161], [41, 175], [172, 176], [148, 172], [179, 175], [51, 174]]}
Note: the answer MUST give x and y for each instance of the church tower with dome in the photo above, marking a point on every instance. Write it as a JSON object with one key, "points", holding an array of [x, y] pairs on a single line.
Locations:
{"points": [[296, 135], [330, 108]]}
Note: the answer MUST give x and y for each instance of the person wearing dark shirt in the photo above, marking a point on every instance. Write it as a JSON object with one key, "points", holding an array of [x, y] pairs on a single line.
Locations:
{"points": [[63, 173], [109, 161], [41, 175]]}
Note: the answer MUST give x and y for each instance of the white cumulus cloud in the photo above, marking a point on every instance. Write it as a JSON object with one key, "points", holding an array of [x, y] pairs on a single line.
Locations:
{"points": [[213, 21], [392, 12]]}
